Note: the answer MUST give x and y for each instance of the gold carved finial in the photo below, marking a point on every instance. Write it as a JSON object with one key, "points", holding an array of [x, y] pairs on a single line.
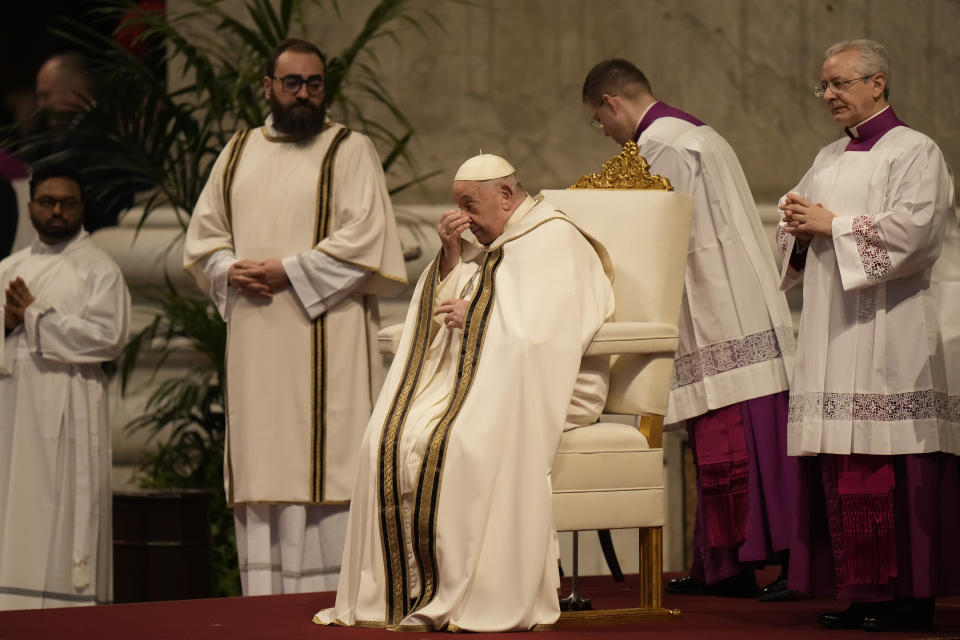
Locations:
{"points": [[628, 170]]}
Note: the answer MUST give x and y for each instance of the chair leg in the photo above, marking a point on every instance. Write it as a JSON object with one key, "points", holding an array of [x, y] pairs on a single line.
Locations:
{"points": [[610, 554], [651, 568], [574, 601]]}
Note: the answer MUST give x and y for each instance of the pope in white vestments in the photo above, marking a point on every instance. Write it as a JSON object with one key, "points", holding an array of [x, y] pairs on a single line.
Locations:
{"points": [[451, 521], [292, 238], [872, 233], [66, 312]]}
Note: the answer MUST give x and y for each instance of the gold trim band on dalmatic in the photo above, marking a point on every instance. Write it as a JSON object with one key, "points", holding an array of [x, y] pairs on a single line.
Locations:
{"points": [[230, 172], [318, 350]]}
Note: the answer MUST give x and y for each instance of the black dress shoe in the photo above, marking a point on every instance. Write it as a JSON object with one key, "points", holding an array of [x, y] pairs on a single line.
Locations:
{"points": [[686, 586], [742, 585], [776, 590], [850, 618], [903, 614]]}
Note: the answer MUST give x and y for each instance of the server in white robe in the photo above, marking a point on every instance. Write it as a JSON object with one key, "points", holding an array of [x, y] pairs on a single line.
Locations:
{"points": [[451, 522], [292, 238], [872, 233], [65, 312], [736, 339]]}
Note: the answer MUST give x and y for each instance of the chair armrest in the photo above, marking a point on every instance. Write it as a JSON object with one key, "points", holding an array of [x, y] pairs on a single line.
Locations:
{"points": [[633, 337], [388, 339]]}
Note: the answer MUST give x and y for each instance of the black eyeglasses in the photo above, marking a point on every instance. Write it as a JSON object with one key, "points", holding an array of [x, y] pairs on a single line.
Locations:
{"points": [[50, 203], [292, 83]]}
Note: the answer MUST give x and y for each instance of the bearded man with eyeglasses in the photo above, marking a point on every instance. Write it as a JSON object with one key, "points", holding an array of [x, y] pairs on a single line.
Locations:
{"points": [[292, 238], [66, 311], [872, 233]]}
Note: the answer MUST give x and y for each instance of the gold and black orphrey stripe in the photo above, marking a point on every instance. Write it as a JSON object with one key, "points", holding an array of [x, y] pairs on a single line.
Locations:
{"points": [[319, 334], [398, 604], [229, 173], [431, 469], [391, 525], [233, 160]]}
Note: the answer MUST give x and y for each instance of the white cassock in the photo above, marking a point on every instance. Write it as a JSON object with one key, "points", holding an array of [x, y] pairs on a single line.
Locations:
{"points": [[302, 370], [736, 334], [451, 522], [55, 505], [878, 370]]}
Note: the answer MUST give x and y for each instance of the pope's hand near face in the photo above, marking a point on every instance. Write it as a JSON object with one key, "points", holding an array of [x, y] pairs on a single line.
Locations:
{"points": [[452, 224]]}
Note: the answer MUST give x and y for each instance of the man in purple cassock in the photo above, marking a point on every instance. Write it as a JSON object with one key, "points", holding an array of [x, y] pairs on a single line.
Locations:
{"points": [[736, 341], [871, 231]]}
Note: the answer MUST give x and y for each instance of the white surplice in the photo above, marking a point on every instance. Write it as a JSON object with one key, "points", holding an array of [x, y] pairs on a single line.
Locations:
{"points": [[451, 522], [736, 334], [55, 505], [303, 370], [878, 367]]}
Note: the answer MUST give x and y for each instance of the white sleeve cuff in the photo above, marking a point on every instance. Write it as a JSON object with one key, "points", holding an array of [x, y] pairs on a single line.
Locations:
{"points": [[320, 281], [217, 269]]}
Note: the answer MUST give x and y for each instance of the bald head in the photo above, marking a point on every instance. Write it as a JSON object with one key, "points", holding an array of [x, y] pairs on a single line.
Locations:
{"points": [[64, 86]]}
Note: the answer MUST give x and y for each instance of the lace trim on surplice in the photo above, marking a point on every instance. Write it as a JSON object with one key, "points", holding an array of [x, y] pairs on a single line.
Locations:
{"points": [[874, 256], [878, 407], [721, 357]]}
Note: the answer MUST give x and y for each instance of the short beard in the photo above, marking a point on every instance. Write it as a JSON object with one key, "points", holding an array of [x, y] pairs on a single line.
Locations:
{"points": [[296, 123], [54, 233]]}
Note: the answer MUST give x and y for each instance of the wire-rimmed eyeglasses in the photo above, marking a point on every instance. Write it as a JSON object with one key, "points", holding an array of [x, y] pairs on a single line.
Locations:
{"points": [[838, 86]]}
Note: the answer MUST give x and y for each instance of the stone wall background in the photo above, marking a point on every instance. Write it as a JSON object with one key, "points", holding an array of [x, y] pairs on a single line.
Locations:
{"points": [[505, 75]]}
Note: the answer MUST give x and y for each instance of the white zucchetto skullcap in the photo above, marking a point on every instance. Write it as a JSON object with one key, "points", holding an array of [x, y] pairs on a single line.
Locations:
{"points": [[485, 166]]}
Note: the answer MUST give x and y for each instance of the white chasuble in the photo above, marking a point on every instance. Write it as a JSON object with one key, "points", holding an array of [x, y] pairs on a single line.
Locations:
{"points": [[302, 369], [55, 504], [451, 521], [736, 335], [878, 370]]}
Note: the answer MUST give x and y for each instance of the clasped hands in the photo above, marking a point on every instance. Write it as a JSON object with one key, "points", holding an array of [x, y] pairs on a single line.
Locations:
{"points": [[804, 219], [258, 279], [18, 298]]}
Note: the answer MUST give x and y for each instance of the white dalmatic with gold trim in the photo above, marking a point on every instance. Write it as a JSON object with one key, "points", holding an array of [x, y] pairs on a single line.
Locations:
{"points": [[879, 371], [55, 503], [451, 522], [302, 369]]}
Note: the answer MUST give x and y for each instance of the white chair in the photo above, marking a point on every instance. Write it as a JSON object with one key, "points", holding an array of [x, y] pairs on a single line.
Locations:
{"points": [[610, 475]]}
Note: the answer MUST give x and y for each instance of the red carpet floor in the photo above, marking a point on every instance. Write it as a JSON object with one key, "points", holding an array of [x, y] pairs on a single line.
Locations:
{"points": [[288, 618]]}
